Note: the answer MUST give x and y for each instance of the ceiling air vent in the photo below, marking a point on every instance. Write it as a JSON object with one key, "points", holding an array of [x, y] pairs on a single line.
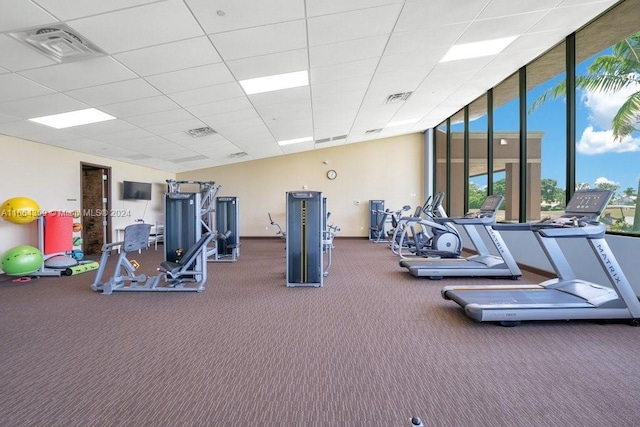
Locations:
{"points": [[196, 133], [397, 97], [373, 131], [237, 155], [58, 42], [190, 159], [333, 138]]}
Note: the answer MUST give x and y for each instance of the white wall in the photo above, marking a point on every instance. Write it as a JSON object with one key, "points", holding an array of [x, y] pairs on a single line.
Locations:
{"points": [[51, 176], [390, 169]]}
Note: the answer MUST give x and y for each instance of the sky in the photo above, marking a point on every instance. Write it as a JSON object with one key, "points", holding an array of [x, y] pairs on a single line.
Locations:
{"points": [[598, 157]]}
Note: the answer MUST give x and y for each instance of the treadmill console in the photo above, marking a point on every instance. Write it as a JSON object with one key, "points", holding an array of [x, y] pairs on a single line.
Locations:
{"points": [[588, 203], [491, 204]]}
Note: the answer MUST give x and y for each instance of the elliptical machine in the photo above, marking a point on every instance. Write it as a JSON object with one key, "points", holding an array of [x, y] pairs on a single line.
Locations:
{"points": [[424, 237]]}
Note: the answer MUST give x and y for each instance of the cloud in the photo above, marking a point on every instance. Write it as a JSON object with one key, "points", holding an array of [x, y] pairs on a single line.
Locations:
{"points": [[597, 142], [597, 138], [603, 106], [603, 180]]}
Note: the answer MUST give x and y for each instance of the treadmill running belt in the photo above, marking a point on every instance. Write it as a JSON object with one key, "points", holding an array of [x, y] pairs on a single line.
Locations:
{"points": [[505, 297]]}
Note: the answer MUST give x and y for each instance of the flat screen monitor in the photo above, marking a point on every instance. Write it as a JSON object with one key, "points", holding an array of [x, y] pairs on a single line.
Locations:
{"points": [[136, 190]]}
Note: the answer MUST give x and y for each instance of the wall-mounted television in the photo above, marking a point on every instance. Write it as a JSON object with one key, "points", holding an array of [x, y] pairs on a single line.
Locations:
{"points": [[136, 190]]}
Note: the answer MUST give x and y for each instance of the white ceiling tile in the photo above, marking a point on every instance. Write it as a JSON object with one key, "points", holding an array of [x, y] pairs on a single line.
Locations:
{"points": [[219, 121], [159, 118], [339, 90], [238, 15], [191, 78], [268, 65], [22, 128], [208, 94], [126, 138], [112, 93], [41, 106], [417, 14], [285, 112], [363, 68], [138, 107], [499, 8], [70, 9], [19, 14], [281, 96], [17, 56], [348, 51], [137, 27], [569, 18], [426, 39], [173, 127], [219, 107], [328, 7], [79, 74], [273, 38], [170, 56], [13, 86], [352, 25], [102, 128], [489, 29]]}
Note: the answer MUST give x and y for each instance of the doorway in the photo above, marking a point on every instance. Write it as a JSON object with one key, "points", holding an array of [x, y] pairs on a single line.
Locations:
{"points": [[95, 203]]}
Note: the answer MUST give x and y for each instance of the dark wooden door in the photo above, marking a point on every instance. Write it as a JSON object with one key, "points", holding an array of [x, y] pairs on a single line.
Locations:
{"points": [[95, 208]]}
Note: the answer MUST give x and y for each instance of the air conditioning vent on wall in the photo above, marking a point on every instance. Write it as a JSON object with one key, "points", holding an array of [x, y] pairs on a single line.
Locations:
{"points": [[58, 42]]}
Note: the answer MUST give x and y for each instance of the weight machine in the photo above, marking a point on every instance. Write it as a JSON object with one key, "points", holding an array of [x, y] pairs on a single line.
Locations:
{"points": [[190, 214], [188, 273]]}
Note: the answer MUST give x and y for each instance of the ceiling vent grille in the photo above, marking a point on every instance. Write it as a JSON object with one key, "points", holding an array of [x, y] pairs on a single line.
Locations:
{"points": [[237, 155], [198, 132], [190, 159], [397, 97], [334, 138], [373, 131], [59, 43]]}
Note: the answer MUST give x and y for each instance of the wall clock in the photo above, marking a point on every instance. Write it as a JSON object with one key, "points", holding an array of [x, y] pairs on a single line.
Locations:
{"points": [[332, 174]]}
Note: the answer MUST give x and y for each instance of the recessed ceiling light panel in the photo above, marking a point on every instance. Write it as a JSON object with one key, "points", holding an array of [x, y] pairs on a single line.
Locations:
{"points": [[275, 82], [73, 118], [477, 49], [296, 140]]}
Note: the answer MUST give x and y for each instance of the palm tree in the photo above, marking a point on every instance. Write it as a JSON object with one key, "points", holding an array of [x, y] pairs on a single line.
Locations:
{"points": [[610, 73]]}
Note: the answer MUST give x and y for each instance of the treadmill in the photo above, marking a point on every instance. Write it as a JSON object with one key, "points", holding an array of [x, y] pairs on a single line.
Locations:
{"points": [[500, 263], [565, 297]]}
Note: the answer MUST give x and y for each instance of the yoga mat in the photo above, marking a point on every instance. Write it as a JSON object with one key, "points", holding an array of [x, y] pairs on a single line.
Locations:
{"points": [[58, 232], [82, 268]]}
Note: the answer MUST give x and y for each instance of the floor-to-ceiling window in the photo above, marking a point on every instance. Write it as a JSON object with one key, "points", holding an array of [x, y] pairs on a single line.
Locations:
{"points": [[608, 114], [478, 171], [457, 170], [546, 135], [506, 150], [441, 150]]}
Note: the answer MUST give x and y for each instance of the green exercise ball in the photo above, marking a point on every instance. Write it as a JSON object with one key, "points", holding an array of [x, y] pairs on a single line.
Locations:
{"points": [[21, 260]]}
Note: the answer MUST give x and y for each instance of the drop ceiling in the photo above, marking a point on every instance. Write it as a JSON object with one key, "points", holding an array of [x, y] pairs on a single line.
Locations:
{"points": [[167, 67]]}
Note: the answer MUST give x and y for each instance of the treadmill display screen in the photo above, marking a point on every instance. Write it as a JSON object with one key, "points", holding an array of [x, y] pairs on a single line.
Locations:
{"points": [[588, 202], [491, 204]]}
